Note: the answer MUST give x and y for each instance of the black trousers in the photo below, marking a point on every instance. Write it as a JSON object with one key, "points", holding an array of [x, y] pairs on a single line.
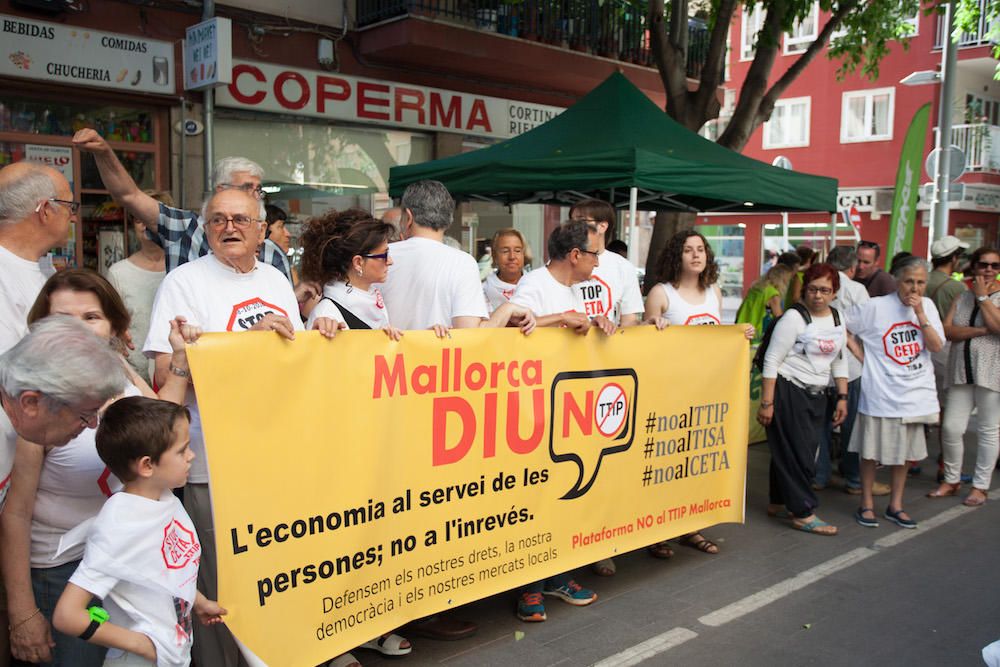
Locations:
{"points": [[793, 438]]}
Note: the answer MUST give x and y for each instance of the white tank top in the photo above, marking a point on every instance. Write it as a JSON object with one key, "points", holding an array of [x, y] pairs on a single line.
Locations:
{"points": [[680, 312], [72, 488]]}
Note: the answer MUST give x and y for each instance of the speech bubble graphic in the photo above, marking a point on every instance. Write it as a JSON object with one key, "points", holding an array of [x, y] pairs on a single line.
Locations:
{"points": [[592, 415]]}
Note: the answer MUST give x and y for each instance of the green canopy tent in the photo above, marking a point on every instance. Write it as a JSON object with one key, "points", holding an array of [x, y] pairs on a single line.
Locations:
{"points": [[616, 144]]}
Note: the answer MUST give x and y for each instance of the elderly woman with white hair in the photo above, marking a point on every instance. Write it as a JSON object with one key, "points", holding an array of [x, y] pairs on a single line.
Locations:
{"points": [[898, 332]]}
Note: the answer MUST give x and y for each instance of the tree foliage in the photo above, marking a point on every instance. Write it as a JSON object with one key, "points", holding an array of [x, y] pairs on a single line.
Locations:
{"points": [[969, 15], [859, 33]]}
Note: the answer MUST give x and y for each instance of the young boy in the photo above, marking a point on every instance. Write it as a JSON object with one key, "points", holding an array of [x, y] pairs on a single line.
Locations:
{"points": [[142, 552]]}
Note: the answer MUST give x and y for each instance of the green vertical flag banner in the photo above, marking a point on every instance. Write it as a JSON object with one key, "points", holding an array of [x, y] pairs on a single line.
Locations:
{"points": [[904, 201]]}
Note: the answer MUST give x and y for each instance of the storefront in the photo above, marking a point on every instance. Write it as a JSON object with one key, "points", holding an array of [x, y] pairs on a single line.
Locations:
{"points": [[68, 78], [328, 140]]}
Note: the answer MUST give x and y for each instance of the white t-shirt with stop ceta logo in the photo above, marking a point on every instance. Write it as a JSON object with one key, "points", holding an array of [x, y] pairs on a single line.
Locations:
{"points": [[898, 376]]}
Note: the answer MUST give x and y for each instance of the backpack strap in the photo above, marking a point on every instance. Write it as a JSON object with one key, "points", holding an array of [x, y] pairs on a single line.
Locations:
{"points": [[352, 320]]}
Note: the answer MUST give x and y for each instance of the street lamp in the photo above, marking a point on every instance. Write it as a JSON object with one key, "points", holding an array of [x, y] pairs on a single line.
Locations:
{"points": [[949, 54]]}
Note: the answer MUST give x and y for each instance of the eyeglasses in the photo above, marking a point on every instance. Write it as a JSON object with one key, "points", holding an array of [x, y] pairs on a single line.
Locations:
{"points": [[589, 252], [74, 206], [239, 221], [381, 255], [249, 188], [89, 418], [982, 266], [825, 291]]}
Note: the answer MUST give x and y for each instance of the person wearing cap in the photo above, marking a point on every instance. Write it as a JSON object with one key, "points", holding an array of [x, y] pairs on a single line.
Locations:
{"points": [[942, 288]]}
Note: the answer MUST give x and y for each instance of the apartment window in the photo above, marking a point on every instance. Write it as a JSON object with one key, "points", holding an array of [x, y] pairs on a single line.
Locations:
{"points": [[803, 32], [866, 115], [752, 23], [789, 124]]}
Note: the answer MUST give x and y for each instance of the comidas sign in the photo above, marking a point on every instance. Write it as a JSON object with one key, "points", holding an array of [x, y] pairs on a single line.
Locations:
{"points": [[322, 94]]}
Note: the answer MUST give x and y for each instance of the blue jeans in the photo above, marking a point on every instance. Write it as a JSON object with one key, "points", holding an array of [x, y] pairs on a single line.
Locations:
{"points": [[48, 584], [849, 461]]}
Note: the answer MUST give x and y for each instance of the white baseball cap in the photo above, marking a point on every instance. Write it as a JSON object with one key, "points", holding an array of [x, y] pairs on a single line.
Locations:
{"points": [[946, 246]]}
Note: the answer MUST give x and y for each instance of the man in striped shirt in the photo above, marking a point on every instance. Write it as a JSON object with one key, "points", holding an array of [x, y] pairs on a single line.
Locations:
{"points": [[179, 232]]}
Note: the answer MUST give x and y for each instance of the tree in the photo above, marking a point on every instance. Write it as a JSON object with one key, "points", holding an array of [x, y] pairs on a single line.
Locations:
{"points": [[969, 14], [861, 33]]}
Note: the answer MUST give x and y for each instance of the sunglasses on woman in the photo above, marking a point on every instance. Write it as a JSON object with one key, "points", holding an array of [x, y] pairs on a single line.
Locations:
{"points": [[982, 266]]}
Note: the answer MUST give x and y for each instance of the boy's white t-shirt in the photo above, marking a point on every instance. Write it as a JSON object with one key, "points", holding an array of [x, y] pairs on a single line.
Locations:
{"points": [[496, 291], [142, 559], [613, 289], [20, 282], [368, 306], [545, 295], [430, 283], [216, 298], [898, 376]]}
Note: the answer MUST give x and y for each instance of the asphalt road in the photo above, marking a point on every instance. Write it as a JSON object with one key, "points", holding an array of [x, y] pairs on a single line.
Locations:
{"points": [[773, 596]]}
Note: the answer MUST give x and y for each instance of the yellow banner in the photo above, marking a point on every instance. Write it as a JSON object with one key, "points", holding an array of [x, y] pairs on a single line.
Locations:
{"points": [[361, 483]]}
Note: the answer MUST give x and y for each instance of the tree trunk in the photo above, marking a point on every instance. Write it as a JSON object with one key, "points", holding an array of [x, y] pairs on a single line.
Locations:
{"points": [[667, 224]]}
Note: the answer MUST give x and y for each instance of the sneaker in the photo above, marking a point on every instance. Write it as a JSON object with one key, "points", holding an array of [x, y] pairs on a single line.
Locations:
{"points": [[572, 593], [531, 608], [859, 516]]}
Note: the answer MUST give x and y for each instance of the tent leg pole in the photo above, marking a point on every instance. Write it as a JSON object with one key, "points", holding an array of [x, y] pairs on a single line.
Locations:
{"points": [[633, 228]]}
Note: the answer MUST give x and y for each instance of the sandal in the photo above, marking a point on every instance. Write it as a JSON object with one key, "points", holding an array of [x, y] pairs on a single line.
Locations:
{"points": [[390, 645], [703, 545], [604, 568], [816, 526], [972, 500], [346, 660], [896, 516], [946, 489], [660, 550]]}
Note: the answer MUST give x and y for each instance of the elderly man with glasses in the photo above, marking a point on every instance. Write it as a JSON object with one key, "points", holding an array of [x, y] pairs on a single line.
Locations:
{"points": [[53, 382], [180, 232], [36, 213], [226, 290]]}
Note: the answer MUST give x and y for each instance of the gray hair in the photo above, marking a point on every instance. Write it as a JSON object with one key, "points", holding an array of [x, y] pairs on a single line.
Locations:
{"points": [[908, 264], [65, 361], [227, 166], [261, 206], [20, 197], [430, 203], [843, 258]]}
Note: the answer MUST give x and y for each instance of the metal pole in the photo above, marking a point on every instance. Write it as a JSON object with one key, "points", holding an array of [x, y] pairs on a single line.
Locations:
{"points": [[942, 183], [633, 236], [208, 11], [784, 231]]}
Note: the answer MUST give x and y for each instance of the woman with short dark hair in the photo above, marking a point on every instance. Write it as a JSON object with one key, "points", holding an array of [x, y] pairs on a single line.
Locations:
{"points": [[805, 347]]}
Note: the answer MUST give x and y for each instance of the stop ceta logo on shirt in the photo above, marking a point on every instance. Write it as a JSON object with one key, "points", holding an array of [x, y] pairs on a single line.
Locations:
{"points": [[179, 545], [702, 318], [596, 297], [248, 313], [903, 342]]}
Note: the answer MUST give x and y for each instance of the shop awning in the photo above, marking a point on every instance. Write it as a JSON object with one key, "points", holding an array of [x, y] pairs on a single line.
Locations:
{"points": [[613, 139]]}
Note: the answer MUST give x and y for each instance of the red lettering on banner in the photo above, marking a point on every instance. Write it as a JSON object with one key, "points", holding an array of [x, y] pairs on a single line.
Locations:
{"points": [[478, 116], [323, 94], [234, 88], [408, 98], [393, 381], [515, 442], [364, 101], [453, 118], [441, 453], [583, 418], [279, 90]]}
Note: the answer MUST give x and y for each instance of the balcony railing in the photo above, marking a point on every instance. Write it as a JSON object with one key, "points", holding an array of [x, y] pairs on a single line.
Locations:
{"points": [[613, 29], [980, 143], [978, 38]]}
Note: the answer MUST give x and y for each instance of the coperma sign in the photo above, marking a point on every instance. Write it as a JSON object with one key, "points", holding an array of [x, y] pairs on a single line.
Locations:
{"points": [[277, 89]]}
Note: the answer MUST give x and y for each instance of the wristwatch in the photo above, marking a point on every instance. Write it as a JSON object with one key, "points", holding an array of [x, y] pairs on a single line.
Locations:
{"points": [[97, 616], [841, 397], [982, 298]]}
